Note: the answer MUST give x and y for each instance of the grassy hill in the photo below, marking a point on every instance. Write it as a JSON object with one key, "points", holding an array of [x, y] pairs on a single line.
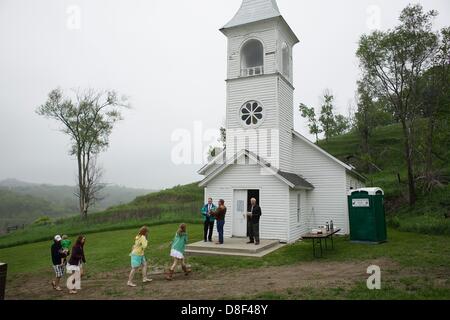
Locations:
{"points": [[18, 209], [23, 202], [180, 203], [431, 212]]}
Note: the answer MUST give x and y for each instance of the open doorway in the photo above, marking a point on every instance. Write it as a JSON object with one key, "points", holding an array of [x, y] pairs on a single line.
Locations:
{"points": [[252, 194]]}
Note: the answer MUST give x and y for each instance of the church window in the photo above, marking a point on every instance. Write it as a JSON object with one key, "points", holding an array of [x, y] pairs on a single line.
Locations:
{"points": [[251, 114], [286, 60], [252, 58]]}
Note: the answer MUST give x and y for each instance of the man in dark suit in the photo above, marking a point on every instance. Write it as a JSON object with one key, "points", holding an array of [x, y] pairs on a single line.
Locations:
{"points": [[253, 222], [208, 220]]}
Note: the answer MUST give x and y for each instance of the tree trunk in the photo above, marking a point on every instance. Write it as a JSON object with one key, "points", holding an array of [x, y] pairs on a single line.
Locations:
{"points": [[409, 163], [429, 151], [366, 151], [81, 189]]}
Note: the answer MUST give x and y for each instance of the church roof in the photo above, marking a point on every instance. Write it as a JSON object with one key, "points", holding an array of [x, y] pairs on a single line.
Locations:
{"points": [[296, 180], [291, 179], [254, 10]]}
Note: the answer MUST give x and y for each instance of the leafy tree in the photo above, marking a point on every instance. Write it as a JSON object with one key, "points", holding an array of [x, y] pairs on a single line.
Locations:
{"points": [[434, 93], [88, 120], [328, 123], [223, 137], [313, 122], [342, 124], [327, 118], [392, 62], [332, 125]]}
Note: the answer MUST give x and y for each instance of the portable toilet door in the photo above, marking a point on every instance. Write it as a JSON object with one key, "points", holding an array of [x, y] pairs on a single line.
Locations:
{"points": [[366, 214]]}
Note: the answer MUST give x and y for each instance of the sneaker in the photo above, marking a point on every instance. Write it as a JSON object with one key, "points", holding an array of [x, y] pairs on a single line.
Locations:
{"points": [[147, 280], [131, 284]]}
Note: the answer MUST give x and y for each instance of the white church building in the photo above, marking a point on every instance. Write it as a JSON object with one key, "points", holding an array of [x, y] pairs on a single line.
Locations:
{"points": [[298, 185]]}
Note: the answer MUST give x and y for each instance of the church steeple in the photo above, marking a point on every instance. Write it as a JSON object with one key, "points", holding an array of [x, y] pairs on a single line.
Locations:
{"points": [[260, 83], [254, 10]]}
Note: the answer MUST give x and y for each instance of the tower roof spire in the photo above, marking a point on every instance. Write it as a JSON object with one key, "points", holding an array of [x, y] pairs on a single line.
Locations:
{"points": [[254, 10]]}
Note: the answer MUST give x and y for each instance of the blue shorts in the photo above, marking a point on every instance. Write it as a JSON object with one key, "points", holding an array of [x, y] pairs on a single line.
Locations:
{"points": [[137, 261]]}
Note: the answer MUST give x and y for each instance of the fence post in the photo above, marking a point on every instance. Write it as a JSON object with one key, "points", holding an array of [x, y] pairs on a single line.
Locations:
{"points": [[3, 269]]}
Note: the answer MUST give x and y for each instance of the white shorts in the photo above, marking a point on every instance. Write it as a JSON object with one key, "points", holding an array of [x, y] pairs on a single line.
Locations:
{"points": [[176, 254], [71, 268]]}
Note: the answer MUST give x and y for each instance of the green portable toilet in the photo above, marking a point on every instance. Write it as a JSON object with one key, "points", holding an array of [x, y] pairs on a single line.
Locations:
{"points": [[366, 214]]}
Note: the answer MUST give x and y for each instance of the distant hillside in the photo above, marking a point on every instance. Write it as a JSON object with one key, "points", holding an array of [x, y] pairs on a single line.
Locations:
{"points": [[179, 201], [52, 200], [174, 205], [432, 211], [18, 209]]}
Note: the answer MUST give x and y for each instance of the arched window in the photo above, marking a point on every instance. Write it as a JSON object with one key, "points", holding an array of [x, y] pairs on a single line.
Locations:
{"points": [[252, 58], [286, 60]]}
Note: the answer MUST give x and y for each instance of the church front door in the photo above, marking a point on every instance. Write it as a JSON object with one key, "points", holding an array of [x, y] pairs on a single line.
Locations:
{"points": [[239, 213]]}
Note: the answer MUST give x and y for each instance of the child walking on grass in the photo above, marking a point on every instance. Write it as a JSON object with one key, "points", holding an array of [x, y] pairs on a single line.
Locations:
{"points": [[177, 251], [138, 256]]}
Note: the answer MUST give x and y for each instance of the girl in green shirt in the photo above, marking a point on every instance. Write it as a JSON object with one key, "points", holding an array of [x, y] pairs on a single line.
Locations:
{"points": [[177, 251]]}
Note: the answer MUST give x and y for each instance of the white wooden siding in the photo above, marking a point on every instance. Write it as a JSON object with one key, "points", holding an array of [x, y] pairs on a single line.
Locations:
{"points": [[296, 230], [274, 198], [354, 183], [266, 33], [328, 201], [264, 90], [283, 37], [276, 97], [286, 123]]}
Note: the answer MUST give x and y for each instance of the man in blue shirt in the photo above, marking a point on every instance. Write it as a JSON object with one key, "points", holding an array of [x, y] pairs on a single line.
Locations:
{"points": [[208, 220]]}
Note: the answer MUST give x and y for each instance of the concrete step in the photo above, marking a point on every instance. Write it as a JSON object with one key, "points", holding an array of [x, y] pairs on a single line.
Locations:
{"points": [[241, 247], [233, 246], [260, 254]]}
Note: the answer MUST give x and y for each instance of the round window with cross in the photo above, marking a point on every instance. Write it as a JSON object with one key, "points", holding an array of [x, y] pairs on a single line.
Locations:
{"points": [[251, 114]]}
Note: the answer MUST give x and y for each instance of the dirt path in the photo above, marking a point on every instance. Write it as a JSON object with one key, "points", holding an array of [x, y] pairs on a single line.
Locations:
{"points": [[217, 285]]}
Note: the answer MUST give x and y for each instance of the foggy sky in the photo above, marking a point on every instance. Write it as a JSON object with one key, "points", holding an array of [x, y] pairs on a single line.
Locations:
{"points": [[170, 58]]}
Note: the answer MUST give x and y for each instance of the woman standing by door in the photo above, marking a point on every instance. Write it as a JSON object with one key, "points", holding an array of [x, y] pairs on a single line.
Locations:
{"points": [[220, 213]]}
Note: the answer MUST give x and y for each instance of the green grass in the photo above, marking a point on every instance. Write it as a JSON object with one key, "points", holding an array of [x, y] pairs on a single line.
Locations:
{"points": [[108, 252], [105, 251], [390, 290]]}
